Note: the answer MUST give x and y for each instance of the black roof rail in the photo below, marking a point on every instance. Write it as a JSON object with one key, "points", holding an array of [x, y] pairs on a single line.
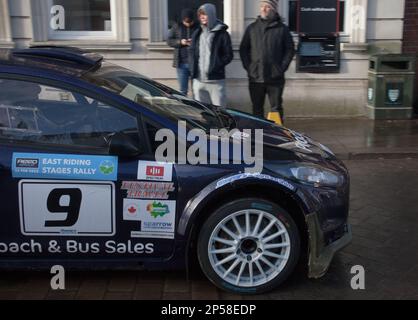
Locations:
{"points": [[68, 54], [66, 48]]}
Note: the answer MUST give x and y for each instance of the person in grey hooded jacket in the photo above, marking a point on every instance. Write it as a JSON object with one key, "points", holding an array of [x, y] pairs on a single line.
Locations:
{"points": [[211, 52]]}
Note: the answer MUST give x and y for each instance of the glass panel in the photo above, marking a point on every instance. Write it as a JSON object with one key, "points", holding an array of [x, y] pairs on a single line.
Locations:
{"points": [[154, 96], [293, 15], [342, 16], [81, 15], [32, 112]]}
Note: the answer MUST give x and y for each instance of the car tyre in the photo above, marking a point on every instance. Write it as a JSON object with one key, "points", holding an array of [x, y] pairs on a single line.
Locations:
{"points": [[249, 246]]}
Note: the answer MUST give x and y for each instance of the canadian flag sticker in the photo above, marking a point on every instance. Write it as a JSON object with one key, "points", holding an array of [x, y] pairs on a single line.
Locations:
{"points": [[155, 171], [130, 210]]}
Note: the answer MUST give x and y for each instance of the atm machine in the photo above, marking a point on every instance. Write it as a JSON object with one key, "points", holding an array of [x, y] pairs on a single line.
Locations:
{"points": [[319, 40]]}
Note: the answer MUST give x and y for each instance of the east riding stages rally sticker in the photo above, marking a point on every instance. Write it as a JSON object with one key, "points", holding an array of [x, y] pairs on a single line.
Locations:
{"points": [[66, 167]]}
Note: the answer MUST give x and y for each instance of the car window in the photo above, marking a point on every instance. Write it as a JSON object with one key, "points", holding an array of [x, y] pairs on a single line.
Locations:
{"points": [[152, 129], [36, 113], [155, 96]]}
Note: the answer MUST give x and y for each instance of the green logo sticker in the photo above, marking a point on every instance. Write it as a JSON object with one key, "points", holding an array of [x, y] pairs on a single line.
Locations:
{"points": [[157, 209], [107, 167]]}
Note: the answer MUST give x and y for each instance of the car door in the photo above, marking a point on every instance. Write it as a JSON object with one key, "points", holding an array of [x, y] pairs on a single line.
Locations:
{"points": [[72, 186]]}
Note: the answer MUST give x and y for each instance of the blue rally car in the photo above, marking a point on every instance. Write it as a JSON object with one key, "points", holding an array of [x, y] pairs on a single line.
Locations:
{"points": [[80, 185]]}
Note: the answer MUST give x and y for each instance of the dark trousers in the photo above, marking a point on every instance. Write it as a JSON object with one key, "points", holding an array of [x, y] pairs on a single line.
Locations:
{"points": [[258, 92], [183, 76]]}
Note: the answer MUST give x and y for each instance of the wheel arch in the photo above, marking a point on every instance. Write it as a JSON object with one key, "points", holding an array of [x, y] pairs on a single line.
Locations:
{"points": [[271, 192]]}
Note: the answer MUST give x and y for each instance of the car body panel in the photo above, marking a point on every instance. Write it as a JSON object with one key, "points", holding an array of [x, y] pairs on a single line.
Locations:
{"points": [[195, 189]]}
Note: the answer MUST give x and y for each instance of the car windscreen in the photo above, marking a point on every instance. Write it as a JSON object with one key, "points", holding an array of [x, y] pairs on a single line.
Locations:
{"points": [[155, 96]]}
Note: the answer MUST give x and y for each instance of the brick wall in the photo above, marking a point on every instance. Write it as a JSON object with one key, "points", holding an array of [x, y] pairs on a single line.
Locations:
{"points": [[410, 44]]}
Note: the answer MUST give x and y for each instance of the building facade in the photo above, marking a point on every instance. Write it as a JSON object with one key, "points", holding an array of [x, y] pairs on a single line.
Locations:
{"points": [[132, 33], [410, 40]]}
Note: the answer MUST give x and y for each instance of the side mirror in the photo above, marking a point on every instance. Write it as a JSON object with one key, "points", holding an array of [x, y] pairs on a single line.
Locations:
{"points": [[124, 146]]}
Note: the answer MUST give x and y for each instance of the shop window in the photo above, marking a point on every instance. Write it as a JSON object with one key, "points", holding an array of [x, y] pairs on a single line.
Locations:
{"points": [[82, 20], [79, 18]]}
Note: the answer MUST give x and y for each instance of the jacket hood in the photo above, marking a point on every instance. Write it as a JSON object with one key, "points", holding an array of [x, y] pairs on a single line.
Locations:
{"points": [[210, 11], [219, 26]]}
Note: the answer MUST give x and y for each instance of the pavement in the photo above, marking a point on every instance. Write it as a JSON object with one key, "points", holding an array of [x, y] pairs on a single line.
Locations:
{"points": [[382, 159], [360, 138]]}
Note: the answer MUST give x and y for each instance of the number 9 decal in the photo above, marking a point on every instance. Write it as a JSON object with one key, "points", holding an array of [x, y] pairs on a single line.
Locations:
{"points": [[67, 208], [72, 210]]}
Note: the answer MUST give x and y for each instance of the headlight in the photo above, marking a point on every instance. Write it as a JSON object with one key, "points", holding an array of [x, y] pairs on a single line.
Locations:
{"points": [[316, 176], [307, 173]]}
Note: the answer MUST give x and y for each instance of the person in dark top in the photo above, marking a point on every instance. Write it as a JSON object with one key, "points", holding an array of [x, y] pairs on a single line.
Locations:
{"points": [[211, 51], [267, 50], [179, 38]]}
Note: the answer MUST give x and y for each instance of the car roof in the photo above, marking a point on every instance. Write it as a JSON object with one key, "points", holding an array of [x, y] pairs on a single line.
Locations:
{"points": [[65, 60]]}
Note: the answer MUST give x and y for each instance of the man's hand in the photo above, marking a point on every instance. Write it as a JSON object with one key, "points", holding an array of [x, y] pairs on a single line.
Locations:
{"points": [[186, 42]]}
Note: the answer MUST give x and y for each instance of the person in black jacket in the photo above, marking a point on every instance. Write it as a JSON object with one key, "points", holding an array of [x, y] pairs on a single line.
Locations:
{"points": [[210, 52], [179, 38], [267, 50]]}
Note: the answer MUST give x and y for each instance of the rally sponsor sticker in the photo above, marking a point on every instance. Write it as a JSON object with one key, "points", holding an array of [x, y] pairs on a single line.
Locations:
{"points": [[131, 210], [152, 235], [87, 248], [155, 171], [147, 189], [260, 176], [157, 217], [64, 167]]}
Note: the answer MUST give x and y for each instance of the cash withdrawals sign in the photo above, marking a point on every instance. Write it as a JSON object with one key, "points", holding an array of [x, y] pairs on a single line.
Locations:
{"points": [[319, 16]]}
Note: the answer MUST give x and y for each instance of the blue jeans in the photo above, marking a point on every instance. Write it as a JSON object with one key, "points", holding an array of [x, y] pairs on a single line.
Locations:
{"points": [[183, 75]]}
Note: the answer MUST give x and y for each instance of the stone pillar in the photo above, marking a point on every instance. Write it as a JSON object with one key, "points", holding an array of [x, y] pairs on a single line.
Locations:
{"points": [[158, 18], [358, 25], [235, 19], [5, 32]]}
